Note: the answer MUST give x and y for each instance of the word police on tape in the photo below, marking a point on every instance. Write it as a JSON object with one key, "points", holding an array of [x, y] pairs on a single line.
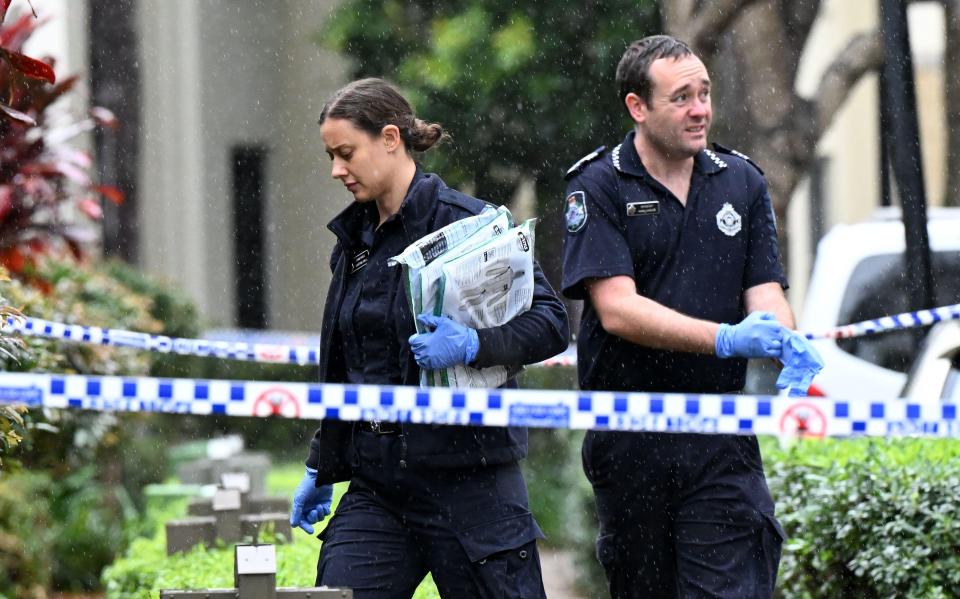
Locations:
{"points": [[735, 414]]}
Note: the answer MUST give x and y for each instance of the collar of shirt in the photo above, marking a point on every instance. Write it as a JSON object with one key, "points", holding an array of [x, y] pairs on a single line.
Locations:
{"points": [[352, 226], [626, 160]]}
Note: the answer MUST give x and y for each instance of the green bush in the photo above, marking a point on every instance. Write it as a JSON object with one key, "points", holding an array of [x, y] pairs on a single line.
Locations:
{"points": [[868, 518], [146, 569], [25, 535], [864, 518], [95, 464], [89, 519]]}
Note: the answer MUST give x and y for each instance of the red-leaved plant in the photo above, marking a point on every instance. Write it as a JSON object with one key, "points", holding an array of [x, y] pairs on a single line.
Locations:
{"points": [[45, 183]]}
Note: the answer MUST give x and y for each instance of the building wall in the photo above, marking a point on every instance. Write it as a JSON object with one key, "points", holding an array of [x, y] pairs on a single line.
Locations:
{"points": [[305, 197], [218, 74], [850, 147], [63, 36]]}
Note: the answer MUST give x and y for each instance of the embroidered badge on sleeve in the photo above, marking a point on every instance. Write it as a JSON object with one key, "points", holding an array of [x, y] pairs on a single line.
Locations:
{"points": [[576, 211]]}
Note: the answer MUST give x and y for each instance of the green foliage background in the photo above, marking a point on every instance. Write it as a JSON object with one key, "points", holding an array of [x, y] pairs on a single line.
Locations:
{"points": [[524, 88], [865, 518], [82, 472], [146, 569], [868, 517]]}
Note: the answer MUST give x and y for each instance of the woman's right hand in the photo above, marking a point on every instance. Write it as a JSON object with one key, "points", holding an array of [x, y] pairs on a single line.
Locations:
{"points": [[311, 503], [447, 343]]}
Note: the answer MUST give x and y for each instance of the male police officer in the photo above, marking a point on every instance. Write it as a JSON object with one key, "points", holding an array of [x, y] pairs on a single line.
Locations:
{"points": [[667, 239]]}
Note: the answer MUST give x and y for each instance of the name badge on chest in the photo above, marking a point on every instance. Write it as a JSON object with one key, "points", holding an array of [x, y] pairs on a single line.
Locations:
{"points": [[647, 208], [360, 260]]}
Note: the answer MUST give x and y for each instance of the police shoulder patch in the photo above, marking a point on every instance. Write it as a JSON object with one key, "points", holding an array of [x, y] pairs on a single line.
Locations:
{"points": [[725, 150], [575, 212], [579, 164]]}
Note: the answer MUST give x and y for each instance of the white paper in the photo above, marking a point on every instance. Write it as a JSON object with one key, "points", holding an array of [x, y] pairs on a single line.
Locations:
{"points": [[478, 272]]}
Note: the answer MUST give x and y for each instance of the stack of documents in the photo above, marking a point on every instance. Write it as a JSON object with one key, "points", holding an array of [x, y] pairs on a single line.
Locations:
{"points": [[477, 271]]}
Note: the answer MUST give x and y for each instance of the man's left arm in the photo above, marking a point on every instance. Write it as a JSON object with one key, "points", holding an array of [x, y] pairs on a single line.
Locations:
{"points": [[769, 297], [765, 282], [764, 279]]}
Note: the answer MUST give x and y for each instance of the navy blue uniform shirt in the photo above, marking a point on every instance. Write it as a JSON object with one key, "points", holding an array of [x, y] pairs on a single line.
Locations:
{"points": [[367, 327], [697, 259]]}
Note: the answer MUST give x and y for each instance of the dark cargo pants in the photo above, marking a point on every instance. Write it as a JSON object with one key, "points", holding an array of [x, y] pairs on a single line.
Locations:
{"points": [[470, 528], [683, 515]]}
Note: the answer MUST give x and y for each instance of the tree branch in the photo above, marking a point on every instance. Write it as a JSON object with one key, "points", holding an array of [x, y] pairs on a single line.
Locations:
{"points": [[798, 18], [676, 13], [703, 29], [863, 54]]}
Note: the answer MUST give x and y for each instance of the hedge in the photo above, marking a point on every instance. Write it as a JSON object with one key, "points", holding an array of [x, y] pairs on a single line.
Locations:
{"points": [[868, 517]]}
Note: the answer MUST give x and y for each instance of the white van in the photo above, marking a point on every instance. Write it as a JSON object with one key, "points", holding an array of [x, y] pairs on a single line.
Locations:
{"points": [[936, 371], [860, 274]]}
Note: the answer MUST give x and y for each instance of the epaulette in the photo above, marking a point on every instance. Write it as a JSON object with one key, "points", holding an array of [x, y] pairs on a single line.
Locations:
{"points": [[462, 200], [579, 164], [732, 152]]}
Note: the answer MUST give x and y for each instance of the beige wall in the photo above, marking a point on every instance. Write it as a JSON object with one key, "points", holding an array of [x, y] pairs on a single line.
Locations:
{"points": [[304, 196], [218, 74], [63, 36], [927, 32]]}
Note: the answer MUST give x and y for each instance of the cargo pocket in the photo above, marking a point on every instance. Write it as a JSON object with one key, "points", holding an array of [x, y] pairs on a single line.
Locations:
{"points": [[504, 557], [776, 530], [773, 539], [324, 558], [607, 551]]}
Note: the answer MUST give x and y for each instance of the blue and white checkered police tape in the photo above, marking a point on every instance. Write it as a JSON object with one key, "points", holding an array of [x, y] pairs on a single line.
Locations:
{"points": [[309, 355], [257, 352], [906, 320], [740, 414]]}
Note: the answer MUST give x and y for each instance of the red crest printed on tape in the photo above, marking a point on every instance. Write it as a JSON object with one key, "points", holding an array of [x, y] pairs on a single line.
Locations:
{"points": [[276, 401], [270, 353], [804, 419]]}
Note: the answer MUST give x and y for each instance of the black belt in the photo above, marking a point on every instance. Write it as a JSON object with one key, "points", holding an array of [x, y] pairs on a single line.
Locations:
{"points": [[378, 427]]}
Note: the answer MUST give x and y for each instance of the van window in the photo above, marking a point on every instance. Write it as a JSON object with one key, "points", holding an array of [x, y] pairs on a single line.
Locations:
{"points": [[878, 287], [951, 388]]}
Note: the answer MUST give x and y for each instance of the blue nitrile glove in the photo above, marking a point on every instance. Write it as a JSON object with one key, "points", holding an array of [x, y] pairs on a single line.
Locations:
{"points": [[311, 503], [801, 362], [450, 343], [757, 336]]}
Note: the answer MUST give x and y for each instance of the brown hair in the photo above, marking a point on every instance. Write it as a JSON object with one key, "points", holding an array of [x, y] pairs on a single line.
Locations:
{"points": [[633, 72], [371, 104]]}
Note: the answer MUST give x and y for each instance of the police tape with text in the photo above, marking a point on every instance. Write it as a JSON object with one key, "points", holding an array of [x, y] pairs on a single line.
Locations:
{"points": [[733, 414]]}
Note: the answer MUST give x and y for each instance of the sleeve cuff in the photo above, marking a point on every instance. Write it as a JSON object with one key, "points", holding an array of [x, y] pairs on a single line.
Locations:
{"points": [[473, 347]]}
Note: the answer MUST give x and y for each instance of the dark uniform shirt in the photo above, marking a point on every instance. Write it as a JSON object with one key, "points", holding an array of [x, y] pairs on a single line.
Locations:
{"points": [[366, 324], [697, 259]]}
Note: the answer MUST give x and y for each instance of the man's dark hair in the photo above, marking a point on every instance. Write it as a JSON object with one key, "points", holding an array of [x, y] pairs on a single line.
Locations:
{"points": [[633, 72]]}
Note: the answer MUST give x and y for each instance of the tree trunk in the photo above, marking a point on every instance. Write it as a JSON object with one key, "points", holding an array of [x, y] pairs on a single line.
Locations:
{"points": [[952, 92], [759, 37]]}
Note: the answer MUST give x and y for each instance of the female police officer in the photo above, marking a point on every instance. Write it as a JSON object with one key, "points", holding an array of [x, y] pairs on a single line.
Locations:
{"points": [[422, 498]]}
